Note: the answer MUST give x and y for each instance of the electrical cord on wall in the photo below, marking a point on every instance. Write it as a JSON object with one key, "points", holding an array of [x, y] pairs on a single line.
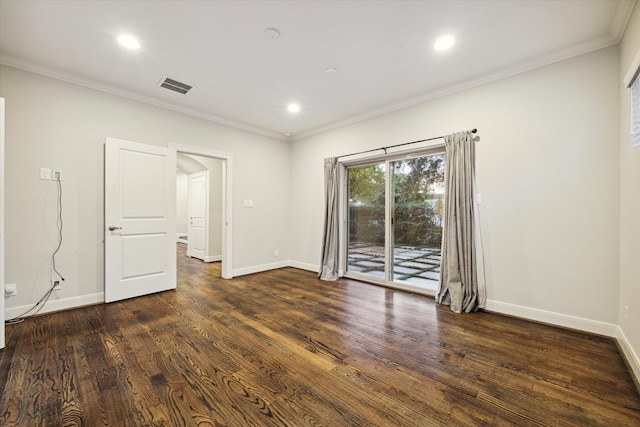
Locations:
{"points": [[38, 306]]}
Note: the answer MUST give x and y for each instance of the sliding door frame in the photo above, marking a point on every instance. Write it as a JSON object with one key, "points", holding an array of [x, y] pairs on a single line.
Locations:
{"points": [[343, 209]]}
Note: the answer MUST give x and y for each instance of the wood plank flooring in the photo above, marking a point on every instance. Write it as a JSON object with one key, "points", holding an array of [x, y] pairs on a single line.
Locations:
{"points": [[282, 348]]}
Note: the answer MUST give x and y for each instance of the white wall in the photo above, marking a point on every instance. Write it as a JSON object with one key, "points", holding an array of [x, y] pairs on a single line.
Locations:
{"points": [[629, 203], [2, 254], [51, 123], [182, 202], [547, 170], [559, 184]]}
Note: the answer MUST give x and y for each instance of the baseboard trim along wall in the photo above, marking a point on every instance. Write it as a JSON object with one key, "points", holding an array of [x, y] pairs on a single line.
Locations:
{"points": [[58, 304], [304, 266], [527, 313], [551, 318], [260, 268], [558, 319], [573, 322], [213, 258], [629, 354]]}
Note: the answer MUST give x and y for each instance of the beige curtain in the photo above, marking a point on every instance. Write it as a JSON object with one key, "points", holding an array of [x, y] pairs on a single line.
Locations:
{"points": [[329, 260], [462, 283]]}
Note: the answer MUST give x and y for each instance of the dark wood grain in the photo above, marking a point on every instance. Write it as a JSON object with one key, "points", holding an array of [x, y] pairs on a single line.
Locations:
{"points": [[285, 349]]}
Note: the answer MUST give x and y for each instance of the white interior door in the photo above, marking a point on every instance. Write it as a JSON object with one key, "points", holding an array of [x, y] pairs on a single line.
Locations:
{"points": [[198, 208], [140, 219]]}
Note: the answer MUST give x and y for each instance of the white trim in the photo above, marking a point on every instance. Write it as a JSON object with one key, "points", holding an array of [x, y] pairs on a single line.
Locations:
{"points": [[632, 71], [260, 268], [213, 258], [12, 61], [629, 353], [59, 304], [227, 201], [616, 31], [304, 266], [553, 318], [522, 67], [621, 19]]}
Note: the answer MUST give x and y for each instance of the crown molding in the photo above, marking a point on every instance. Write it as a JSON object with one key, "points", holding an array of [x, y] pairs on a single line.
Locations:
{"points": [[503, 73], [13, 62]]}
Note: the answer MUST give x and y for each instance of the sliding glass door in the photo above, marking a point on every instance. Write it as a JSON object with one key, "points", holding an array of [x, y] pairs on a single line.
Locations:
{"points": [[366, 220], [394, 221]]}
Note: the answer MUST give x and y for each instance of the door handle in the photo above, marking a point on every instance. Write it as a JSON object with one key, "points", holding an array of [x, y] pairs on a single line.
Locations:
{"points": [[114, 228]]}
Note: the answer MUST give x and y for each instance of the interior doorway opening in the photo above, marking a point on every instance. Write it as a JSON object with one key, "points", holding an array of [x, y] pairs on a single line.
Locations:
{"points": [[207, 237], [199, 206]]}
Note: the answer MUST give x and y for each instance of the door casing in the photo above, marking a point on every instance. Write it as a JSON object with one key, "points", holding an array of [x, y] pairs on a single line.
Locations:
{"points": [[227, 201]]}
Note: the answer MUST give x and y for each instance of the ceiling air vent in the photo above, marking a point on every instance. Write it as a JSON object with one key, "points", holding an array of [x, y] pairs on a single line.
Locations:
{"points": [[175, 85]]}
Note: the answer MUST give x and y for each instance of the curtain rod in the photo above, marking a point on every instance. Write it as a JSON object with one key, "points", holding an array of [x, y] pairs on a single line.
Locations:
{"points": [[398, 145]]}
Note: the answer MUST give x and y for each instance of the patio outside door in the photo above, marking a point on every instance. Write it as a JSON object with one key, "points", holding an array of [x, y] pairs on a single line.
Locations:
{"points": [[394, 221]]}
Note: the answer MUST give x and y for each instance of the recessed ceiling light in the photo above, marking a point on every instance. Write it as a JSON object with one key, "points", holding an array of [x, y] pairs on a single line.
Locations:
{"points": [[272, 33], [293, 108], [128, 41], [330, 71], [444, 43]]}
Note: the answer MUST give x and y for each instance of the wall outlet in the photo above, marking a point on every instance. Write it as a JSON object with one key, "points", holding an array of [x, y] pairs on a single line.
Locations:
{"points": [[56, 284], [45, 173], [57, 175], [10, 289], [276, 253]]}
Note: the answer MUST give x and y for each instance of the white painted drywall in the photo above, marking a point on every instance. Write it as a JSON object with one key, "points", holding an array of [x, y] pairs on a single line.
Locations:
{"points": [[2, 255], [629, 199], [547, 170], [51, 123]]}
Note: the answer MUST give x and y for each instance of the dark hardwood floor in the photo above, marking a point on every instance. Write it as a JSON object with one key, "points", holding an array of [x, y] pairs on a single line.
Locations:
{"points": [[283, 348]]}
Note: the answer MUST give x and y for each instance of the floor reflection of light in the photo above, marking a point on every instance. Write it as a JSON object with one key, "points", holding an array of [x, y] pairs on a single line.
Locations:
{"points": [[375, 314]]}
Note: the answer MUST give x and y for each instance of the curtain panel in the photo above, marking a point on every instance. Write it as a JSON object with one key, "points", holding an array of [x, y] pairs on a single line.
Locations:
{"points": [[462, 284], [329, 260]]}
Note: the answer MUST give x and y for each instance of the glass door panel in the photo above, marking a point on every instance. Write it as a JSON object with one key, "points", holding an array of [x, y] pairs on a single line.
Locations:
{"points": [[394, 220], [417, 199], [366, 220]]}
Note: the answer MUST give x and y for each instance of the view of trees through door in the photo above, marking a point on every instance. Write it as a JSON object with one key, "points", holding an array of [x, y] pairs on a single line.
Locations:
{"points": [[408, 195]]}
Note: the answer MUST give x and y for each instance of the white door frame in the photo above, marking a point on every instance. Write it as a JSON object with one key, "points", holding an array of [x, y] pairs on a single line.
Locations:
{"points": [[227, 200]]}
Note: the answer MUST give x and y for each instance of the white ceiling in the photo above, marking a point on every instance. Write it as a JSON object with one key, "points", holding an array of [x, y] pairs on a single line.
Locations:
{"points": [[382, 51]]}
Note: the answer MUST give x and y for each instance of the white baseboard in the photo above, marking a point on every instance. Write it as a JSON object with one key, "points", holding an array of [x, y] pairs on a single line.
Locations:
{"points": [[57, 304], [259, 268], [573, 322], [304, 266], [558, 319], [213, 258], [629, 354]]}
